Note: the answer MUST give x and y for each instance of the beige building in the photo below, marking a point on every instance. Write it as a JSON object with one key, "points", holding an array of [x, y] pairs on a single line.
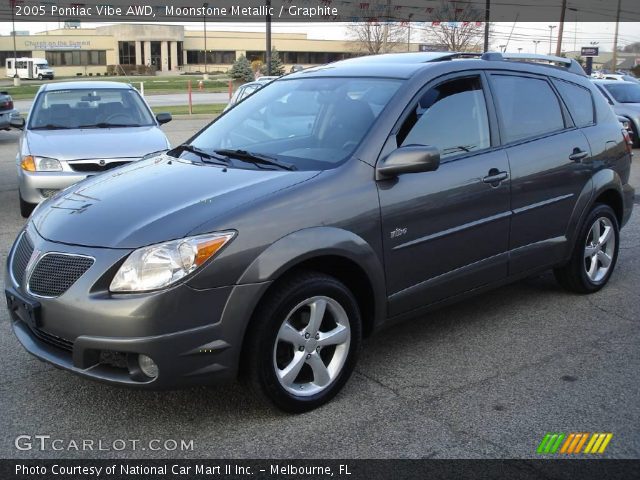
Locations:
{"points": [[164, 48]]}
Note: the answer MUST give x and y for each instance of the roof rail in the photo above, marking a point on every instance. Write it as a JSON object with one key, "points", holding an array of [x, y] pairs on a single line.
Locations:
{"points": [[569, 63]]}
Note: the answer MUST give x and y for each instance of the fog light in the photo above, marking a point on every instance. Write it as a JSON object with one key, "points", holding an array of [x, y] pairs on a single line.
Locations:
{"points": [[148, 366]]}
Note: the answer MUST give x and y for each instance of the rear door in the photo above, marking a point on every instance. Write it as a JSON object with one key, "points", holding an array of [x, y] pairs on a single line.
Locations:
{"points": [[550, 161], [446, 232]]}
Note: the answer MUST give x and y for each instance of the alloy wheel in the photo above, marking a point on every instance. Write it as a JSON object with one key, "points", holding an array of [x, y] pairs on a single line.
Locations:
{"points": [[312, 346], [599, 249]]}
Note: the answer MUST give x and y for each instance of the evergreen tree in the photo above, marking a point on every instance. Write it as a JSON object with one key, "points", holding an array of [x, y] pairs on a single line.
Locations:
{"points": [[241, 70], [277, 67]]}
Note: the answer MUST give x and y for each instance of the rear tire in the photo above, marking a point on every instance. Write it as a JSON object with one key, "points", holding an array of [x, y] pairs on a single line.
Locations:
{"points": [[595, 253], [26, 208], [303, 342]]}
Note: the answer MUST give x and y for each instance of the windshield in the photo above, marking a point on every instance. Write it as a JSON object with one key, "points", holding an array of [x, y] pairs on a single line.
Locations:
{"points": [[89, 108], [311, 123], [42, 66], [624, 92]]}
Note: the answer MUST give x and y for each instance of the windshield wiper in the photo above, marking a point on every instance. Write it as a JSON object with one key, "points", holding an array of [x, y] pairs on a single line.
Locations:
{"points": [[109, 125], [205, 156], [51, 126], [256, 158]]}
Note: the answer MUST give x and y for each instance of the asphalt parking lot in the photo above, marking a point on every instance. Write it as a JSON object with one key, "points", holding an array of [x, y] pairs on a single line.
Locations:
{"points": [[486, 378]]}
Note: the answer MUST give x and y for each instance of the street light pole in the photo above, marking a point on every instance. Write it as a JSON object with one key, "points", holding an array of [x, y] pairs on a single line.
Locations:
{"points": [[268, 34], [15, 49], [551, 27], [536, 42]]}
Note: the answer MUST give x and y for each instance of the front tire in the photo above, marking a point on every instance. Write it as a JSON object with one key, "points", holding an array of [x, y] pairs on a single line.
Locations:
{"points": [[26, 208], [595, 253], [303, 342], [39, 76]]}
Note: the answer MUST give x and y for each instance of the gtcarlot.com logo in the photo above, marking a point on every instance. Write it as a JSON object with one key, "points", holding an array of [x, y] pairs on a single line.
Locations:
{"points": [[49, 443], [574, 443]]}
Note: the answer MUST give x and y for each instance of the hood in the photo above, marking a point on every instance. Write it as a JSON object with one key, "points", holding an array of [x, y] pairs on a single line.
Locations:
{"points": [[153, 200], [125, 142]]}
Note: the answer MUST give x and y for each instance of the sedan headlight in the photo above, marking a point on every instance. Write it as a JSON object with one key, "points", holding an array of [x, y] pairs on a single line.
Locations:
{"points": [[32, 163], [161, 265]]}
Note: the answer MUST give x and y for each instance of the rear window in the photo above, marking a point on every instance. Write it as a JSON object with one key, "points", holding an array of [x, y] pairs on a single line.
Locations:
{"points": [[528, 107], [579, 102]]}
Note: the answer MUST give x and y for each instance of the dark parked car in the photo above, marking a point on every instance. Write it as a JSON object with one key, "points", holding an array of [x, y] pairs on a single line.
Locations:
{"points": [[418, 179], [7, 111]]}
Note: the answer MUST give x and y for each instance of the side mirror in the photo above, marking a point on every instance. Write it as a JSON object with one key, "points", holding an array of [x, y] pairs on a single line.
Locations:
{"points": [[163, 118], [409, 159], [16, 121]]}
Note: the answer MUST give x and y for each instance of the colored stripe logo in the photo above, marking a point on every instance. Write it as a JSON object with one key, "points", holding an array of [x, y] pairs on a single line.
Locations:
{"points": [[573, 443]]}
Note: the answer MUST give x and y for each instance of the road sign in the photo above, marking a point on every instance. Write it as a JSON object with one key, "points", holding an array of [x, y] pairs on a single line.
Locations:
{"points": [[589, 51]]}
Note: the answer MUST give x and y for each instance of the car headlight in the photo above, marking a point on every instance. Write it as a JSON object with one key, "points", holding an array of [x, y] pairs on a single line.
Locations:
{"points": [[161, 265], [32, 163]]}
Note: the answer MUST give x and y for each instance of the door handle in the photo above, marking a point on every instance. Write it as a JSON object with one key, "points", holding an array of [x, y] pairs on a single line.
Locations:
{"points": [[495, 177], [578, 155]]}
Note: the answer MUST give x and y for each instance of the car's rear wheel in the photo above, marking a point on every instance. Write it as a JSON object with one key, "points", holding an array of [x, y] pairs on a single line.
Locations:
{"points": [[303, 342], [26, 208], [595, 253]]}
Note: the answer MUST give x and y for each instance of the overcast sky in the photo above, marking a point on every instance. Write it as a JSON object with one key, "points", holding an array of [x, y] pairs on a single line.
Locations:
{"points": [[521, 35]]}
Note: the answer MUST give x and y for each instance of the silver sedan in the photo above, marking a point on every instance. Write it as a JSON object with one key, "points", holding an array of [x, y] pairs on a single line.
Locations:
{"points": [[77, 129]]}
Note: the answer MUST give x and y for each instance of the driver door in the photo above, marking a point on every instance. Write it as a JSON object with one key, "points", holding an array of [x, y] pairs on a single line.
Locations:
{"points": [[446, 232]]}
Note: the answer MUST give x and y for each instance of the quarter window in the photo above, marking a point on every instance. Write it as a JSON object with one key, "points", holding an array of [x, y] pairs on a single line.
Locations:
{"points": [[451, 116], [528, 107], [579, 102]]}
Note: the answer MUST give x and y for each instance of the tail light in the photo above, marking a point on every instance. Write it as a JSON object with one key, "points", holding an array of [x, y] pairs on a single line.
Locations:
{"points": [[8, 105], [627, 140]]}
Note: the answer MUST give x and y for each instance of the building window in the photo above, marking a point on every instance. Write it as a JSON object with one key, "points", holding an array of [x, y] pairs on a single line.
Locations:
{"points": [[76, 58], [127, 53], [214, 57], [252, 56], [180, 55], [4, 54], [316, 58]]}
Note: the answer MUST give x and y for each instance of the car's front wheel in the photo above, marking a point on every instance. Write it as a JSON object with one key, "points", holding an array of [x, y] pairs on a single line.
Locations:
{"points": [[25, 207], [595, 253], [303, 342]]}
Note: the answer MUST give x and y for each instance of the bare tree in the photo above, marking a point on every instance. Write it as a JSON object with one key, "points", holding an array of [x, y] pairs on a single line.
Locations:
{"points": [[378, 35], [457, 27]]}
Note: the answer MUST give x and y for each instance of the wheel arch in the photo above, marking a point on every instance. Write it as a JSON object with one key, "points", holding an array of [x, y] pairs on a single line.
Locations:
{"points": [[333, 251]]}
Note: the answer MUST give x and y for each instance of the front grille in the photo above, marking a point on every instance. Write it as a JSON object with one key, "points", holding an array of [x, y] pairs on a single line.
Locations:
{"points": [[46, 337], [95, 167], [21, 257], [56, 272]]}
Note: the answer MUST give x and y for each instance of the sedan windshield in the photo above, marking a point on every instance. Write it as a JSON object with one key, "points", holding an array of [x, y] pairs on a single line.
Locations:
{"points": [[624, 92], [89, 108], [307, 124]]}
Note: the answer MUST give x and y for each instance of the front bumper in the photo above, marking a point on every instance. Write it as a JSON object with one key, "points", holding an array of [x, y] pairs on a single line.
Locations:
{"points": [[194, 336], [35, 187]]}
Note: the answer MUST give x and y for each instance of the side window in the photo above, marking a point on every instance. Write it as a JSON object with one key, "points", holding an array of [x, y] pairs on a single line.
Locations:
{"points": [[579, 102], [451, 116], [528, 107]]}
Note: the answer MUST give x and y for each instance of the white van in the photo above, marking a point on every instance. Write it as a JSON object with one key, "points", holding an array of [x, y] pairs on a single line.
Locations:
{"points": [[26, 67]]}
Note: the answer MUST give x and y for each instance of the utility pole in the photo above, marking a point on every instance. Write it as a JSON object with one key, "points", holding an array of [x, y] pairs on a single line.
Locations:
{"points": [[204, 21], [551, 27], [561, 29], [536, 42], [487, 16], [614, 60], [268, 34]]}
